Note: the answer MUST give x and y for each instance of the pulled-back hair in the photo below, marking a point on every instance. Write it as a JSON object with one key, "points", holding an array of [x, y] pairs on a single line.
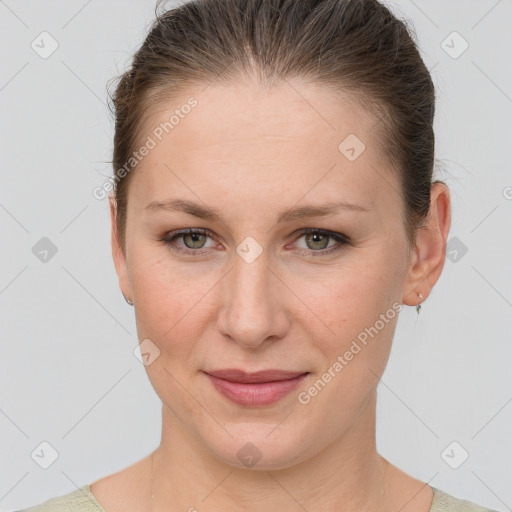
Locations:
{"points": [[351, 46]]}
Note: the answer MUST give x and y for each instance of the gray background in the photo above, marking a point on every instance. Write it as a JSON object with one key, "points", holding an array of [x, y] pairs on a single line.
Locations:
{"points": [[68, 374]]}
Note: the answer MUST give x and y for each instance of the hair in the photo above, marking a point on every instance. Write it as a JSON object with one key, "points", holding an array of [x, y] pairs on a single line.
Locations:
{"points": [[356, 47]]}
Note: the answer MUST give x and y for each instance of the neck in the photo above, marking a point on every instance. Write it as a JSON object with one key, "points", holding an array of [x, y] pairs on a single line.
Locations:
{"points": [[347, 474]]}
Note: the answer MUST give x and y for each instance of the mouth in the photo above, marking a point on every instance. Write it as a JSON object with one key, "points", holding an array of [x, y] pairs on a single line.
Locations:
{"points": [[255, 389]]}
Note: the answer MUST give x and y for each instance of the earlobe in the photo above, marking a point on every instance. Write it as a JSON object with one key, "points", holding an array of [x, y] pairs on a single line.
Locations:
{"points": [[118, 254], [430, 252]]}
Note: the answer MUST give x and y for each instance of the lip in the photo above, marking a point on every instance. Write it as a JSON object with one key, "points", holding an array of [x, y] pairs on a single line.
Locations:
{"points": [[255, 389]]}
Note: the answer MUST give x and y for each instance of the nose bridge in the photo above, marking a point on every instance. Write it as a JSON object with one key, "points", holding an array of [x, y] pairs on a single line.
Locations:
{"points": [[250, 312]]}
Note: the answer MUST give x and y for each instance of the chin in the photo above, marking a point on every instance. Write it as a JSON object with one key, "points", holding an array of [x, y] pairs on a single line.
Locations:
{"points": [[258, 448]]}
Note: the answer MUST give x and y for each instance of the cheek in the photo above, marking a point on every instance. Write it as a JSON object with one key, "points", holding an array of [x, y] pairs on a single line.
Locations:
{"points": [[169, 301], [356, 308], [171, 313], [353, 361], [342, 300]]}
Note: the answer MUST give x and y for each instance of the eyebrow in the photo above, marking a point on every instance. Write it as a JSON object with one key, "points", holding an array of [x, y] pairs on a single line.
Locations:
{"points": [[296, 213]]}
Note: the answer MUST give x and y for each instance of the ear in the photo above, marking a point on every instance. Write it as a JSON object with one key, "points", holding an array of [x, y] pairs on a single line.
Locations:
{"points": [[428, 257], [118, 254]]}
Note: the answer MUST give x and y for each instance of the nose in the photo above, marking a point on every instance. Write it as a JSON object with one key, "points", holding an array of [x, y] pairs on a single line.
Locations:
{"points": [[253, 308]]}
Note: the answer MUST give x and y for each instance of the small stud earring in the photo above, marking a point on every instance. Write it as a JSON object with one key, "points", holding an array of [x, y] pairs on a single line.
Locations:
{"points": [[127, 300], [418, 307]]}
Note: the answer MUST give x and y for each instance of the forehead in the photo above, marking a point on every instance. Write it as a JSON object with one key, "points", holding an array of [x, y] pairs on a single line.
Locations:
{"points": [[291, 113], [294, 136]]}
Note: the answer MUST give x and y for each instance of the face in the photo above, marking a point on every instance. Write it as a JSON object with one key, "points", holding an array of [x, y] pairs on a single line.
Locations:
{"points": [[251, 290]]}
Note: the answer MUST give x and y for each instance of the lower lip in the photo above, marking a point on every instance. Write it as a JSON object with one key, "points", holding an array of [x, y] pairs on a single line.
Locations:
{"points": [[262, 393]]}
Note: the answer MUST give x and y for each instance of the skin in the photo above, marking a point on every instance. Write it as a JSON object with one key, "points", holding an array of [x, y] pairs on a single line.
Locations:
{"points": [[251, 154]]}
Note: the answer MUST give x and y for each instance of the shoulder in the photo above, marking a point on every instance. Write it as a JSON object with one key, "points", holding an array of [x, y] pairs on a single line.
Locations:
{"points": [[444, 502], [79, 500]]}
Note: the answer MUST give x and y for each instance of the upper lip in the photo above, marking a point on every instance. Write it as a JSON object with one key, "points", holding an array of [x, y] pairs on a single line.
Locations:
{"points": [[235, 375]]}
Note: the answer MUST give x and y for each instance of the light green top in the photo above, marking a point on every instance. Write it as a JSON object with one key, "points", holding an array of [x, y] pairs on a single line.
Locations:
{"points": [[82, 500]]}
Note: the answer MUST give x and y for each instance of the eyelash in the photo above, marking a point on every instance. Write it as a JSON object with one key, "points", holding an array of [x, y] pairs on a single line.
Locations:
{"points": [[342, 241]]}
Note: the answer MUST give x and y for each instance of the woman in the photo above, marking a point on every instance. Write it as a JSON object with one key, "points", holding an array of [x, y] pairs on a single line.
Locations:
{"points": [[273, 210]]}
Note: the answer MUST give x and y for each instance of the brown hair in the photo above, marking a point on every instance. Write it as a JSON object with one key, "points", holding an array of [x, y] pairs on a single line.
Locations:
{"points": [[354, 46]]}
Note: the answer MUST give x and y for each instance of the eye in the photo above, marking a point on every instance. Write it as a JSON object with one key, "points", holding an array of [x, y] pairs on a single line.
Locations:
{"points": [[317, 240], [193, 240]]}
